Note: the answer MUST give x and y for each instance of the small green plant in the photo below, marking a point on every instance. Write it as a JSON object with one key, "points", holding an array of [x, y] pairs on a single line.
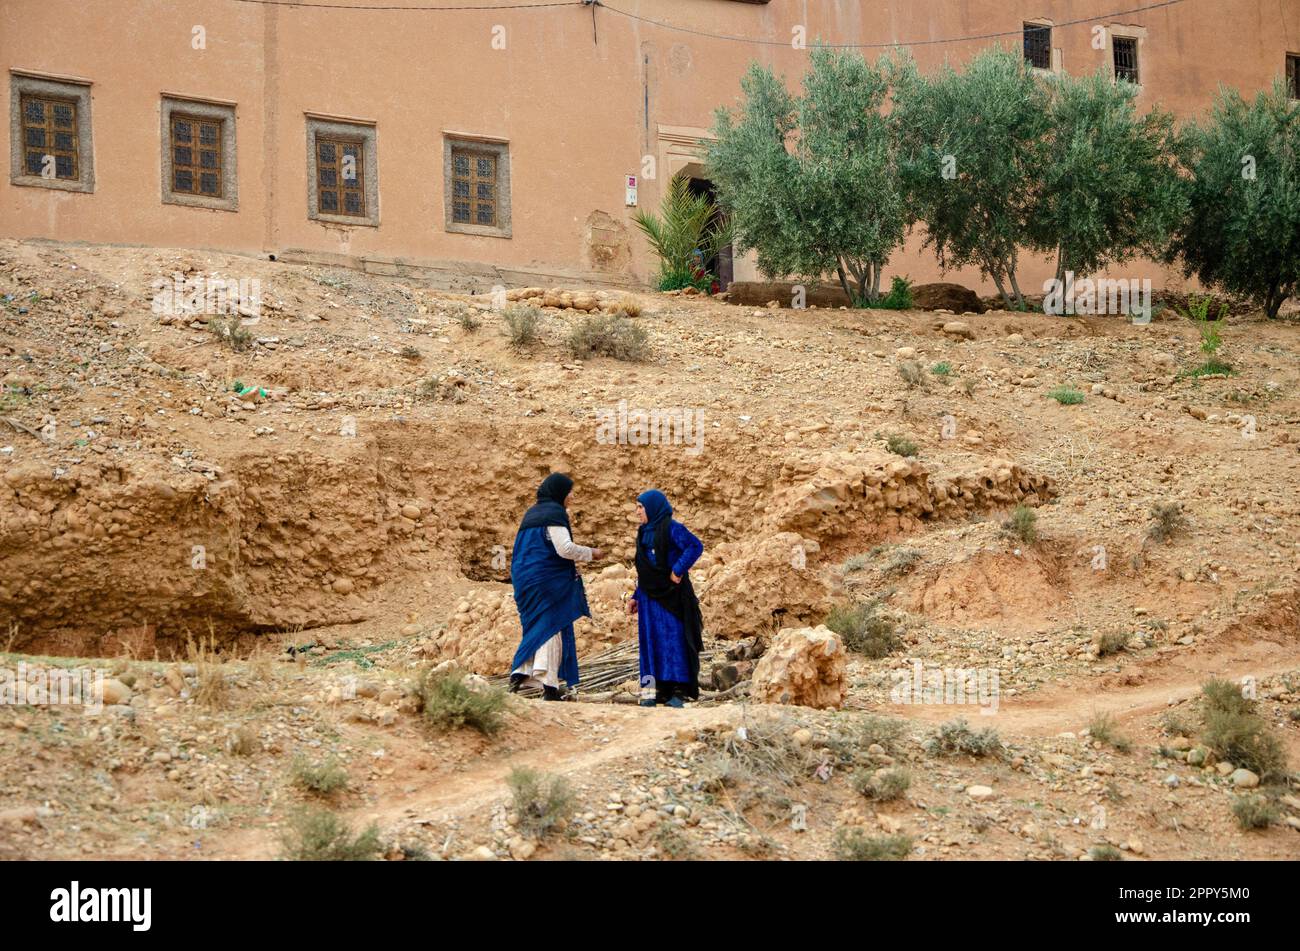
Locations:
{"points": [[1244, 739], [1109, 642], [898, 298], [466, 316], [610, 335], [449, 702], [865, 629], [1105, 853], [885, 732], [522, 324], [672, 842], [411, 353], [1254, 812], [943, 369], [1167, 521], [855, 563], [1022, 524], [1103, 728], [1198, 312], [319, 835], [1065, 395], [688, 228], [855, 845], [320, 779], [901, 446], [957, 738], [902, 561], [231, 332], [543, 803], [881, 785]]}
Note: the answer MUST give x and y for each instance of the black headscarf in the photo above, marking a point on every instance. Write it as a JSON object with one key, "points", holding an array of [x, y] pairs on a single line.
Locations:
{"points": [[549, 510]]}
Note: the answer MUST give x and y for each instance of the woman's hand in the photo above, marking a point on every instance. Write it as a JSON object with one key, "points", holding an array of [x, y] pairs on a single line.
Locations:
{"points": [[597, 554], [676, 579], [631, 607]]}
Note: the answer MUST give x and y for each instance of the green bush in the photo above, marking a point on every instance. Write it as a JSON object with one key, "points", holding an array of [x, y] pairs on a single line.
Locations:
{"points": [[686, 223], [1022, 524], [321, 779], [1254, 812], [855, 845], [522, 324], [901, 446], [957, 738], [1168, 521], [898, 298], [1065, 395], [881, 785], [543, 803], [448, 702], [318, 835], [865, 629], [609, 335]]}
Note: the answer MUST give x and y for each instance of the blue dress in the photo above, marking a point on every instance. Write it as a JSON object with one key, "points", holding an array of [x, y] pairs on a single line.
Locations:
{"points": [[550, 597], [661, 635]]}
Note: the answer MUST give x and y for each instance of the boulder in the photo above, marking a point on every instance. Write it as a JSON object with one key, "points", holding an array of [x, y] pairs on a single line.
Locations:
{"points": [[804, 666], [945, 296]]}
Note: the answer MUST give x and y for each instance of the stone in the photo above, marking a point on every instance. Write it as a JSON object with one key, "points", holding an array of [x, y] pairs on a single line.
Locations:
{"points": [[411, 511], [1244, 779], [343, 585], [959, 328], [980, 793], [115, 692], [804, 666]]}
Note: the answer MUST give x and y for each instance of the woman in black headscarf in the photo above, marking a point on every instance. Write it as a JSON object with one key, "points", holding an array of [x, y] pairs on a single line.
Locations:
{"points": [[670, 627], [548, 591]]}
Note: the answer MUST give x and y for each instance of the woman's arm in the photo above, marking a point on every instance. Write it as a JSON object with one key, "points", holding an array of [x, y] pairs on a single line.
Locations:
{"points": [[564, 544], [690, 547]]}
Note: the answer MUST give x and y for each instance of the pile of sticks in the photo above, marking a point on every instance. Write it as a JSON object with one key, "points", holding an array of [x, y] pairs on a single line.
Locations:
{"points": [[607, 670]]}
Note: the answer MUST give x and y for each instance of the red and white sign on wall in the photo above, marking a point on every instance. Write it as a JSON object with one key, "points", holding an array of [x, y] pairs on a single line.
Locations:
{"points": [[631, 191]]}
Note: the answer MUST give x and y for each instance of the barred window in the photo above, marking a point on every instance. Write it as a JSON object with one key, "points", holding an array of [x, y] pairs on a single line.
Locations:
{"points": [[474, 187], [1038, 45], [49, 138], [1293, 74], [196, 156], [1126, 57], [340, 176]]}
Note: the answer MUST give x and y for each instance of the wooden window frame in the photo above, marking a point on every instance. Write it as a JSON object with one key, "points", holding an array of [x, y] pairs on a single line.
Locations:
{"points": [[342, 132], [1136, 78], [1293, 75], [475, 147], [52, 91], [175, 106], [1027, 27]]}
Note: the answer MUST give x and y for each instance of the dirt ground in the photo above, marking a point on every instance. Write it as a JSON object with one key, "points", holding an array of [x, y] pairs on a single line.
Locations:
{"points": [[179, 508]]}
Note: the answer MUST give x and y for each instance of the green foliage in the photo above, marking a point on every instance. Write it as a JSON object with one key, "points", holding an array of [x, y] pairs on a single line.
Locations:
{"points": [[1198, 312], [543, 803], [522, 322], [1254, 812], [898, 298], [1022, 524], [901, 446], [881, 785], [1105, 853], [1167, 521], [231, 332], [1236, 733], [957, 738], [610, 335], [976, 202], [686, 223], [942, 369], [1110, 188], [321, 779], [865, 629], [1103, 728], [1065, 395], [449, 702], [855, 845], [1242, 229], [810, 180], [319, 835]]}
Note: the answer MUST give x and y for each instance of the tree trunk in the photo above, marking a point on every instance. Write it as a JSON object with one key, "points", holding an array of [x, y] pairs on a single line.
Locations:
{"points": [[995, 272], [1011, 275]]}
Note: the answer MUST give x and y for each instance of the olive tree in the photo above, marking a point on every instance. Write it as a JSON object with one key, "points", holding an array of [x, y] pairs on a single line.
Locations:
{"points": [[1242, 228], [971, 148], [810, 180], [1110, 189]]}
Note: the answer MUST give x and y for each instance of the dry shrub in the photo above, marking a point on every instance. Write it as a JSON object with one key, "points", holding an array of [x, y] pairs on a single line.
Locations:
{"points": [[319, 835]]}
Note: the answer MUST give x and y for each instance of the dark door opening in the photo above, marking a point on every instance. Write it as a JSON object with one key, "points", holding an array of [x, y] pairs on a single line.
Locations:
{"points": [[721, 263]]}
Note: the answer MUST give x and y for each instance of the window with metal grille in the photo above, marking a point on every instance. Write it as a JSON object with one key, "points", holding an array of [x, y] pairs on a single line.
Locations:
{"points": [[474, 187], [49, 130], [340, 176], [1126, 57], [1038, 45], [1293, 74], [196, 156]]}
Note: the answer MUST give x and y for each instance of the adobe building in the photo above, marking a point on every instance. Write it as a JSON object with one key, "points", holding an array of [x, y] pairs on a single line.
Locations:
{"points": [[476, 147]]}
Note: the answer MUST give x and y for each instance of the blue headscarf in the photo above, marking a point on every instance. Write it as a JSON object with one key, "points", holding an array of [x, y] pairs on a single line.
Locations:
{"points": [[657, 508]]}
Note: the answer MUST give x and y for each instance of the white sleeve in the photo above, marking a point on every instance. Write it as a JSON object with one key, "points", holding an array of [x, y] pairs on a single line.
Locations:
{"points": [[564, 546]]}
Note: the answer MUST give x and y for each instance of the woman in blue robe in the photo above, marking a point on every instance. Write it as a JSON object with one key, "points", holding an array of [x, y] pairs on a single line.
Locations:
{"points": [[548, 591], [670, 627]]}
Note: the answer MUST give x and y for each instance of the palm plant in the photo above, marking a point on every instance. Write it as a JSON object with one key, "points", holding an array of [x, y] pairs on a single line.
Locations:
{"points": [[686, 223]]}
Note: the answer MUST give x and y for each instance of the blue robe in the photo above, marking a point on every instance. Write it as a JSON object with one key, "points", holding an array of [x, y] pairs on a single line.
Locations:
{"points": [[661, 636], [550, 597]]}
